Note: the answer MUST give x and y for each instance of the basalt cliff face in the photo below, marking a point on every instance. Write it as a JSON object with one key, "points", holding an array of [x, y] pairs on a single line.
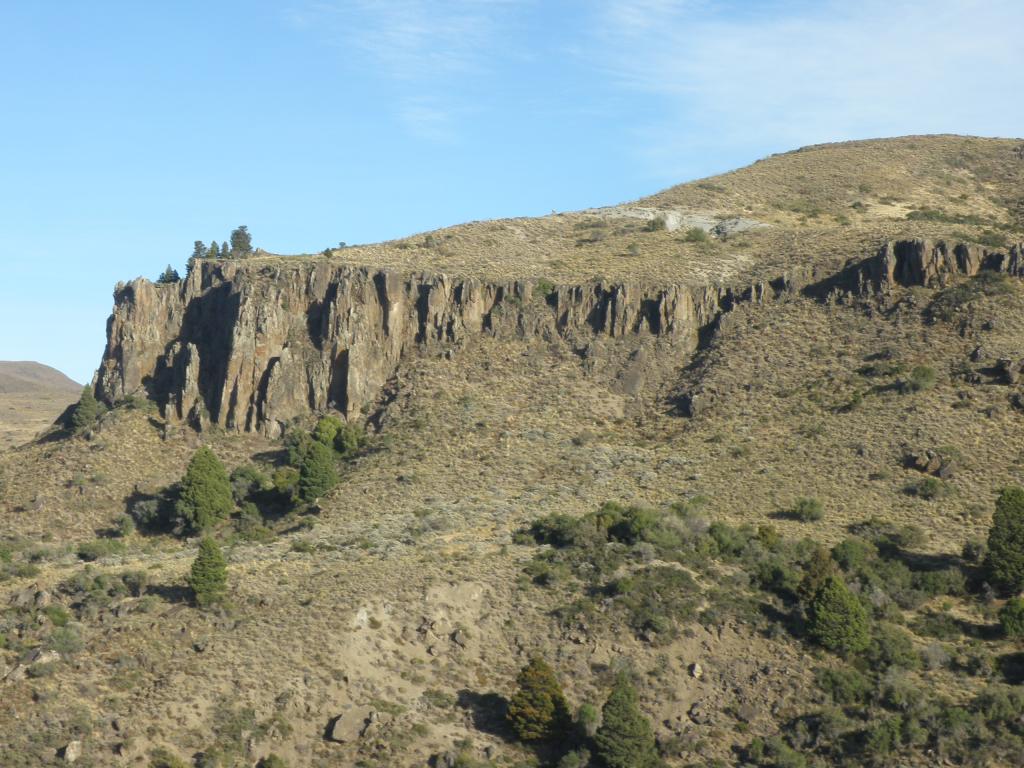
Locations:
{"points": [[252, 345]]}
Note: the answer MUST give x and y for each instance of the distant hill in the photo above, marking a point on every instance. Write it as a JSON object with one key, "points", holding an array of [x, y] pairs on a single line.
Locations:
{"points": [[32, 395], [34, 378]]}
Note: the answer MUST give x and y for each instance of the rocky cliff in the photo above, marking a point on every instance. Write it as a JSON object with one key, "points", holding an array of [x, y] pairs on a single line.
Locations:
{"points": [[253, 345]]}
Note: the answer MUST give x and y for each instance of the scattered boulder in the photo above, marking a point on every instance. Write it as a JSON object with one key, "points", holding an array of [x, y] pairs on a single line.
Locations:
{"points": [[930, 462], [1008, 370], [72, 751], [351, 725], [696, 670]]}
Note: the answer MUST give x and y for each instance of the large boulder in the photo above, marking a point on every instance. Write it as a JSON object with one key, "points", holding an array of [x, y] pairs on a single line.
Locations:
{"points": [[350, 726]]}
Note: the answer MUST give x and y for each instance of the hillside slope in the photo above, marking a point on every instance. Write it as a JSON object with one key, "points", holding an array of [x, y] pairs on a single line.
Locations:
{"points": [[870, 401], [32, 396]]}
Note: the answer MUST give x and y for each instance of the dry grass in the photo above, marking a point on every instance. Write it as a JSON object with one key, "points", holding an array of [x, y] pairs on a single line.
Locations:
{"points": [[338, 611], [824, 204]]}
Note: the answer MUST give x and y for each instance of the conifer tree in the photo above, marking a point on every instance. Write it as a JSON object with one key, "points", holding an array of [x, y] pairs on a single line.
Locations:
{"points": [[317, 474], [213, 252], [198, 250], [837, 620], [241, 243], [538, 710], [86, 412], [820, 567], [1005, 561], [169, 275], [209, 575], [625, 738], [205, 491]]}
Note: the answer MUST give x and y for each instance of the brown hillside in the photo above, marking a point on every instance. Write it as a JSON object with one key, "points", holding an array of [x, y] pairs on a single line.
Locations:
{"points": [[384, 624], [32, 395]]}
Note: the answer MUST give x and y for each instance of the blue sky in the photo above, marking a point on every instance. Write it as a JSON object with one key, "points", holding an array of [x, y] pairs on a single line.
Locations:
{"points": [[131, 129]]}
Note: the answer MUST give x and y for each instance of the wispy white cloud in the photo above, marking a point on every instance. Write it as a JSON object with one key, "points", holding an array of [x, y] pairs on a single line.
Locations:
{"points": [[792, 73], [428, 50]]}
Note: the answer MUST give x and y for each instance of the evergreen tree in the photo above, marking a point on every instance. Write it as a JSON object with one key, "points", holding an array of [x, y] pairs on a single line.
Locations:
{"points": [[819, 569], [837, 620], [209, 575], [241, 243], [317, 474], [538, 710], [198, 250], [213, 252], [625, 738], [205, 491], [190, 266], [86, 412], [1011, 617], [1005, 561], [169, 275]]}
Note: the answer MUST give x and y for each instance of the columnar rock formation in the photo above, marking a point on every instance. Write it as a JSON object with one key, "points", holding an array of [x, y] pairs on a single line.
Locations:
{"points": [[253, 345]]}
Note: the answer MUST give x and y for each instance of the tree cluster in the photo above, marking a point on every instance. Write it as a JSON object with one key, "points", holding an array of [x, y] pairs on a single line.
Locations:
{"points": [[237, 246], [539, 713]]}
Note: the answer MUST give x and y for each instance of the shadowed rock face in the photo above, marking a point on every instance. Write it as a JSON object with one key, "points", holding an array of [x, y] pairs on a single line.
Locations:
{"points": [[253, 345]]}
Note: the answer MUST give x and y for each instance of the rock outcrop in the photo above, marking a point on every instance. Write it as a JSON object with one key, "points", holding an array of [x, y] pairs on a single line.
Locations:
{"points": [[919, 262], [254, 345]]}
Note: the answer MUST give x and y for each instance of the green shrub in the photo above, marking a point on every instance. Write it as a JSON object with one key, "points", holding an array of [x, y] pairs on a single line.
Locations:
{"points": [[208, 578], [837, 620], [884, 737], [921, 378], [326, 430], [854, 555], [588, 718], [125, 526], [1005, 561], [577, 758], [544, 287], [845, 685], [1011, 618], [807, 510], [537, 710], [205, 495], [86, 412], [625, 738], [695, 235], [246, 481], [286, 481], [928, 488], [57, 614], [349, 440], [297, 443], [317, 474], [99, 548], [891, 646], [66, 641]]}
